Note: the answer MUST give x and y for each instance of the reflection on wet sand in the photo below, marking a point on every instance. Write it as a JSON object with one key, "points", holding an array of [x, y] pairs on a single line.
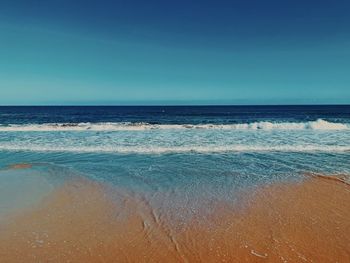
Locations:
{"points": [[83, 222]]}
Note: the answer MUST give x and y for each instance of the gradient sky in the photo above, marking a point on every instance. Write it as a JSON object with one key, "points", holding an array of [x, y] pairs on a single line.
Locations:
{"points": [[174, 52]]}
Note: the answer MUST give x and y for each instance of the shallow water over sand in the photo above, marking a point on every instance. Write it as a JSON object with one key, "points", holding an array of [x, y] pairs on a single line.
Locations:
{"points": [[82, 220]]}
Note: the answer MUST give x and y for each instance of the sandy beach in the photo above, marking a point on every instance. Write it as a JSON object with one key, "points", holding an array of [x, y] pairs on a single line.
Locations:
{"points": [[79, 222]]}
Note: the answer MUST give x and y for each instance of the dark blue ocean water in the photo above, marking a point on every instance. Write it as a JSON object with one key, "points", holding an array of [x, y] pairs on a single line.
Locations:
{"points": [[171, 114]]}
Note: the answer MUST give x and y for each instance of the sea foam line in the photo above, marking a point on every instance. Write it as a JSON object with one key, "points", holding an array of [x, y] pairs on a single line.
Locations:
{"points": [[120, 126], [177, 149]]}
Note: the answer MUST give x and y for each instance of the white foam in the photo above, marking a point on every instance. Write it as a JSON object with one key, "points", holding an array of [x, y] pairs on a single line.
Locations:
{"points": [[121, 126], [325, 125], [177, 149]]}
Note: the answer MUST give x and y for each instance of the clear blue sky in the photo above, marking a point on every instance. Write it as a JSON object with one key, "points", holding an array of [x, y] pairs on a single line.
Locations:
{"points": [[174, 52]]}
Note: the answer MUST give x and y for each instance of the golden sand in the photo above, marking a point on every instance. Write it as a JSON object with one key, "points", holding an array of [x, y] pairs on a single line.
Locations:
{"points": [[293, 222]]}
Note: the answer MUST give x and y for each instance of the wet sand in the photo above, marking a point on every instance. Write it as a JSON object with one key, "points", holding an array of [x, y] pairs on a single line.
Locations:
{"points": [[82, 222]]}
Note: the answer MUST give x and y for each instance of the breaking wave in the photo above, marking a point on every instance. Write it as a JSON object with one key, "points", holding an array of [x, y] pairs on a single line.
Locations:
{"points": [[127, 126]]}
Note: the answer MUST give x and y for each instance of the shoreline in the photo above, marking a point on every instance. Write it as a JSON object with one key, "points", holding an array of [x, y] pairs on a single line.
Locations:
{"points": [[282, 222]]}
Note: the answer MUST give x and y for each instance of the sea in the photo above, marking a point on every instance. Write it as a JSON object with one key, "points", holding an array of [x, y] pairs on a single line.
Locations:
{"points": [[187, 152]]}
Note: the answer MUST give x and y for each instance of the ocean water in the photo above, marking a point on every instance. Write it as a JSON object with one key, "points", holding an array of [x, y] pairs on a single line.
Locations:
{"points": [[187, 152]]}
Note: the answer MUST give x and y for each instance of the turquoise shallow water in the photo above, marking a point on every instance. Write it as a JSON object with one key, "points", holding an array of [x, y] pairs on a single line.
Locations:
{"points": [[216, 174], [175, 185]]}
